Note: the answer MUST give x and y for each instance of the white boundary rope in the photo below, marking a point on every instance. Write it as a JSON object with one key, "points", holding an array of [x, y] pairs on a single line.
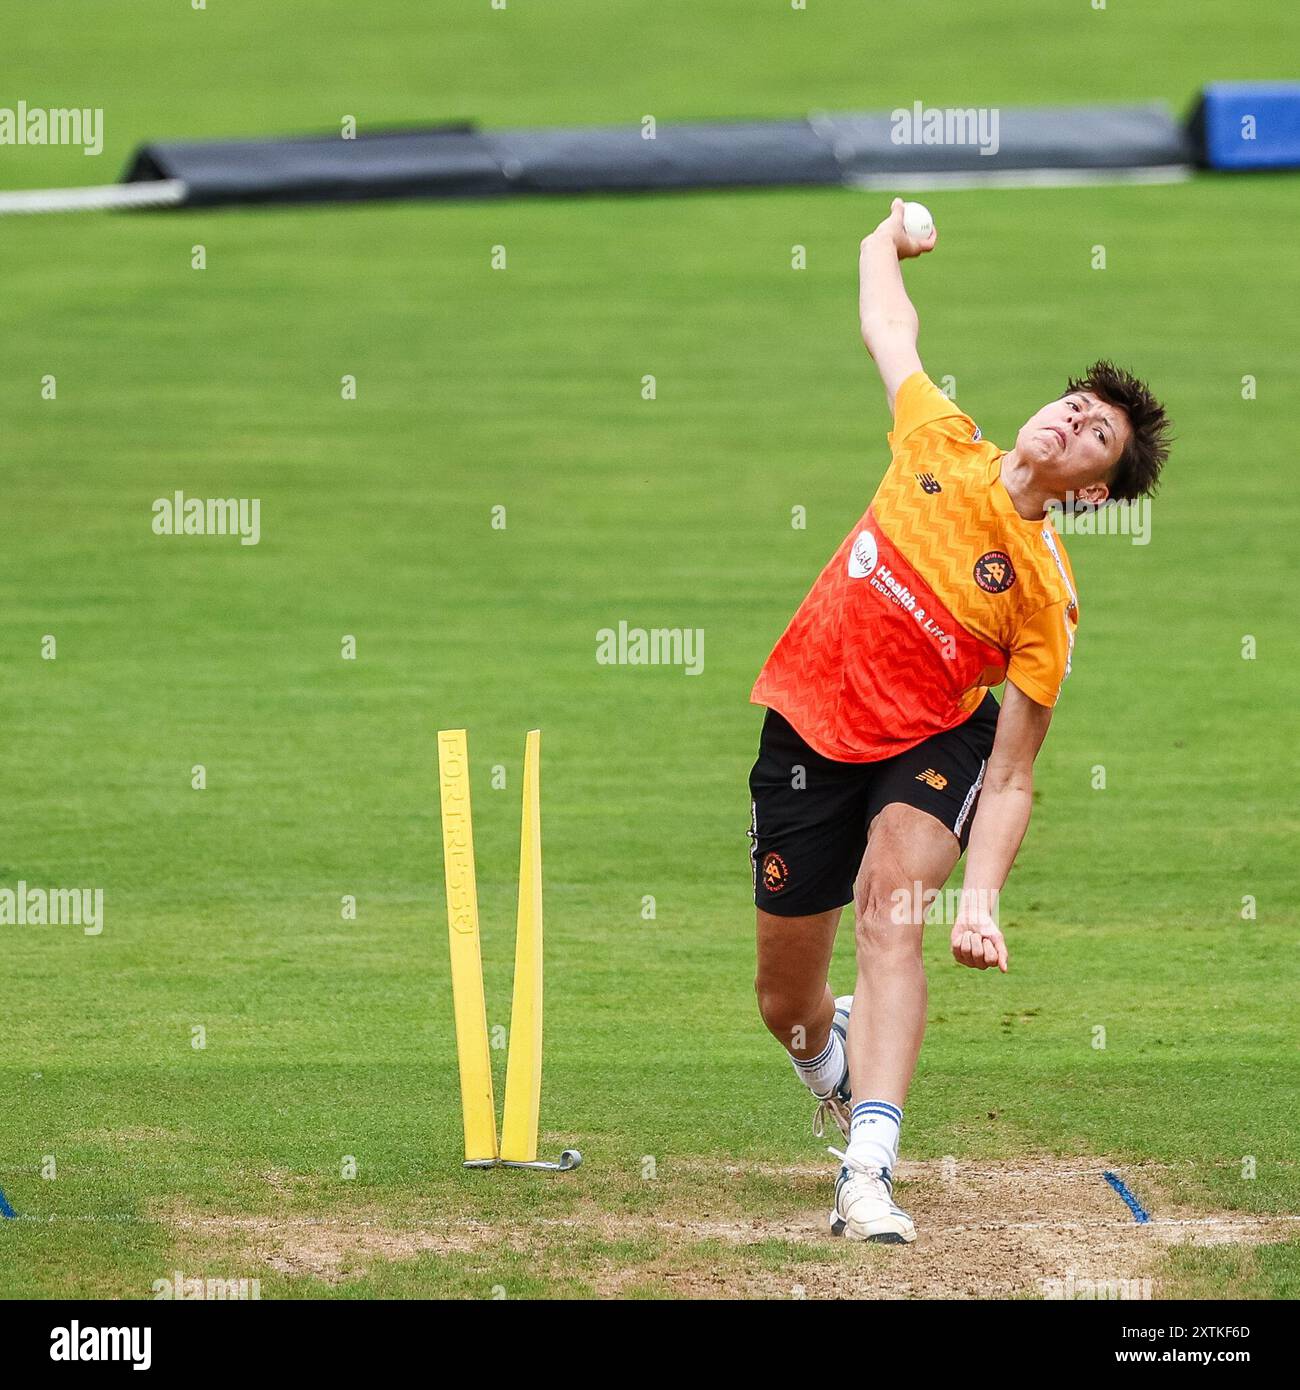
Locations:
{"points": [[161, 193], [1020, 178], [166, 193]]}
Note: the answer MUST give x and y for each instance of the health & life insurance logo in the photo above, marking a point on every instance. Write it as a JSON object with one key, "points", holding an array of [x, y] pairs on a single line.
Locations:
{"points": [[865, 563]]}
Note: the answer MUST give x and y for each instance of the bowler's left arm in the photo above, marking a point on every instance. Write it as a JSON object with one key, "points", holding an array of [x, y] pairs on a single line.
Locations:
{"points": [[1001, 820]]}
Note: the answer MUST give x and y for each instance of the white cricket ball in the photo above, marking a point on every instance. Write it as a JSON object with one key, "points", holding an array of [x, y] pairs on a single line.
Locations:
{"points": [[917, 221]]}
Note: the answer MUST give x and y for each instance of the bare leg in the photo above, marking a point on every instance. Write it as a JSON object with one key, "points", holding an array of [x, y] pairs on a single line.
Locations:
{"points": [[908, 852], [794, 959]]}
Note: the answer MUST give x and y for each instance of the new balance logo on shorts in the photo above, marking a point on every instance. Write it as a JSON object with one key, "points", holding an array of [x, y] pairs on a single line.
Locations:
{"points": [[807, 843]]}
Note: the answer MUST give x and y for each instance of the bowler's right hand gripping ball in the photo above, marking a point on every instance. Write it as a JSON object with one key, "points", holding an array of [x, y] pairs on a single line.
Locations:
{"points": [[917, 221]]}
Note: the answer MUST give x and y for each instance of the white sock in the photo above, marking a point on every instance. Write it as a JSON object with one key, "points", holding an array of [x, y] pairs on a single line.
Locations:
{"points": [[873, 1135], [821, 1074]]}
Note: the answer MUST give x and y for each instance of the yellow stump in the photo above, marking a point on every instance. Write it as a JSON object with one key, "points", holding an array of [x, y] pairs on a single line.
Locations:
{"points": [[524, 1063], [476, 1097]]}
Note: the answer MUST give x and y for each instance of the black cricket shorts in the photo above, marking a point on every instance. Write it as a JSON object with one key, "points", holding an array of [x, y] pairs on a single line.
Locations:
{"points": [[808, 830]]}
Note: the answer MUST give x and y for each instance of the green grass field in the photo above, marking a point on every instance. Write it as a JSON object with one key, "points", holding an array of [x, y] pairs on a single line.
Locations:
{"points": [[128, 1153]]}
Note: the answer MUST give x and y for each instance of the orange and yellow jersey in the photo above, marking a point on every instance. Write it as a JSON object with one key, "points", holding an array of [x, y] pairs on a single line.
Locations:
{"points": [[940, 591]]}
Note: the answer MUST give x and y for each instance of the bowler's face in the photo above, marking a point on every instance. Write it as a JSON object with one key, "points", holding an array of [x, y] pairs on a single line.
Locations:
{"points": [[1074, 443]]}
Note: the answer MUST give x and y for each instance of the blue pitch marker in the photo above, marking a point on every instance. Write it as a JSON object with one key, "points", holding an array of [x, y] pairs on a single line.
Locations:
{"points": [[6, 1210], [1130, 1201]]}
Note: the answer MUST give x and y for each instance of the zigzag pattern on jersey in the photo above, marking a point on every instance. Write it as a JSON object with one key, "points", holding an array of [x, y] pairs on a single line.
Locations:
{"points": [[908, 685], [856, 673], [943, 534], [804, 673], [909, 698], [956, 430], [919, 676]]}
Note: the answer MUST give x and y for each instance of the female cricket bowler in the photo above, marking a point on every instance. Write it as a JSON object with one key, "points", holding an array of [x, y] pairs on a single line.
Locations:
{"points": [[884, 754]]}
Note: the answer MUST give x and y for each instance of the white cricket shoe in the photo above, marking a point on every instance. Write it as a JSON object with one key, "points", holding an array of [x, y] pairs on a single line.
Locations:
{"points": [[864, 1205], [833, 1106], [839, 1103]]}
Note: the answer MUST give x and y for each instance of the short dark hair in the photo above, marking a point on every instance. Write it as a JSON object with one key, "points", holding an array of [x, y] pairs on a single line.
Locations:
{"points": [[1137, 474]]}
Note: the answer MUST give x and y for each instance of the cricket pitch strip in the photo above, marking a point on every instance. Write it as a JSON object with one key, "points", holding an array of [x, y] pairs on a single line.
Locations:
{"points": [[1028, 1228]]}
